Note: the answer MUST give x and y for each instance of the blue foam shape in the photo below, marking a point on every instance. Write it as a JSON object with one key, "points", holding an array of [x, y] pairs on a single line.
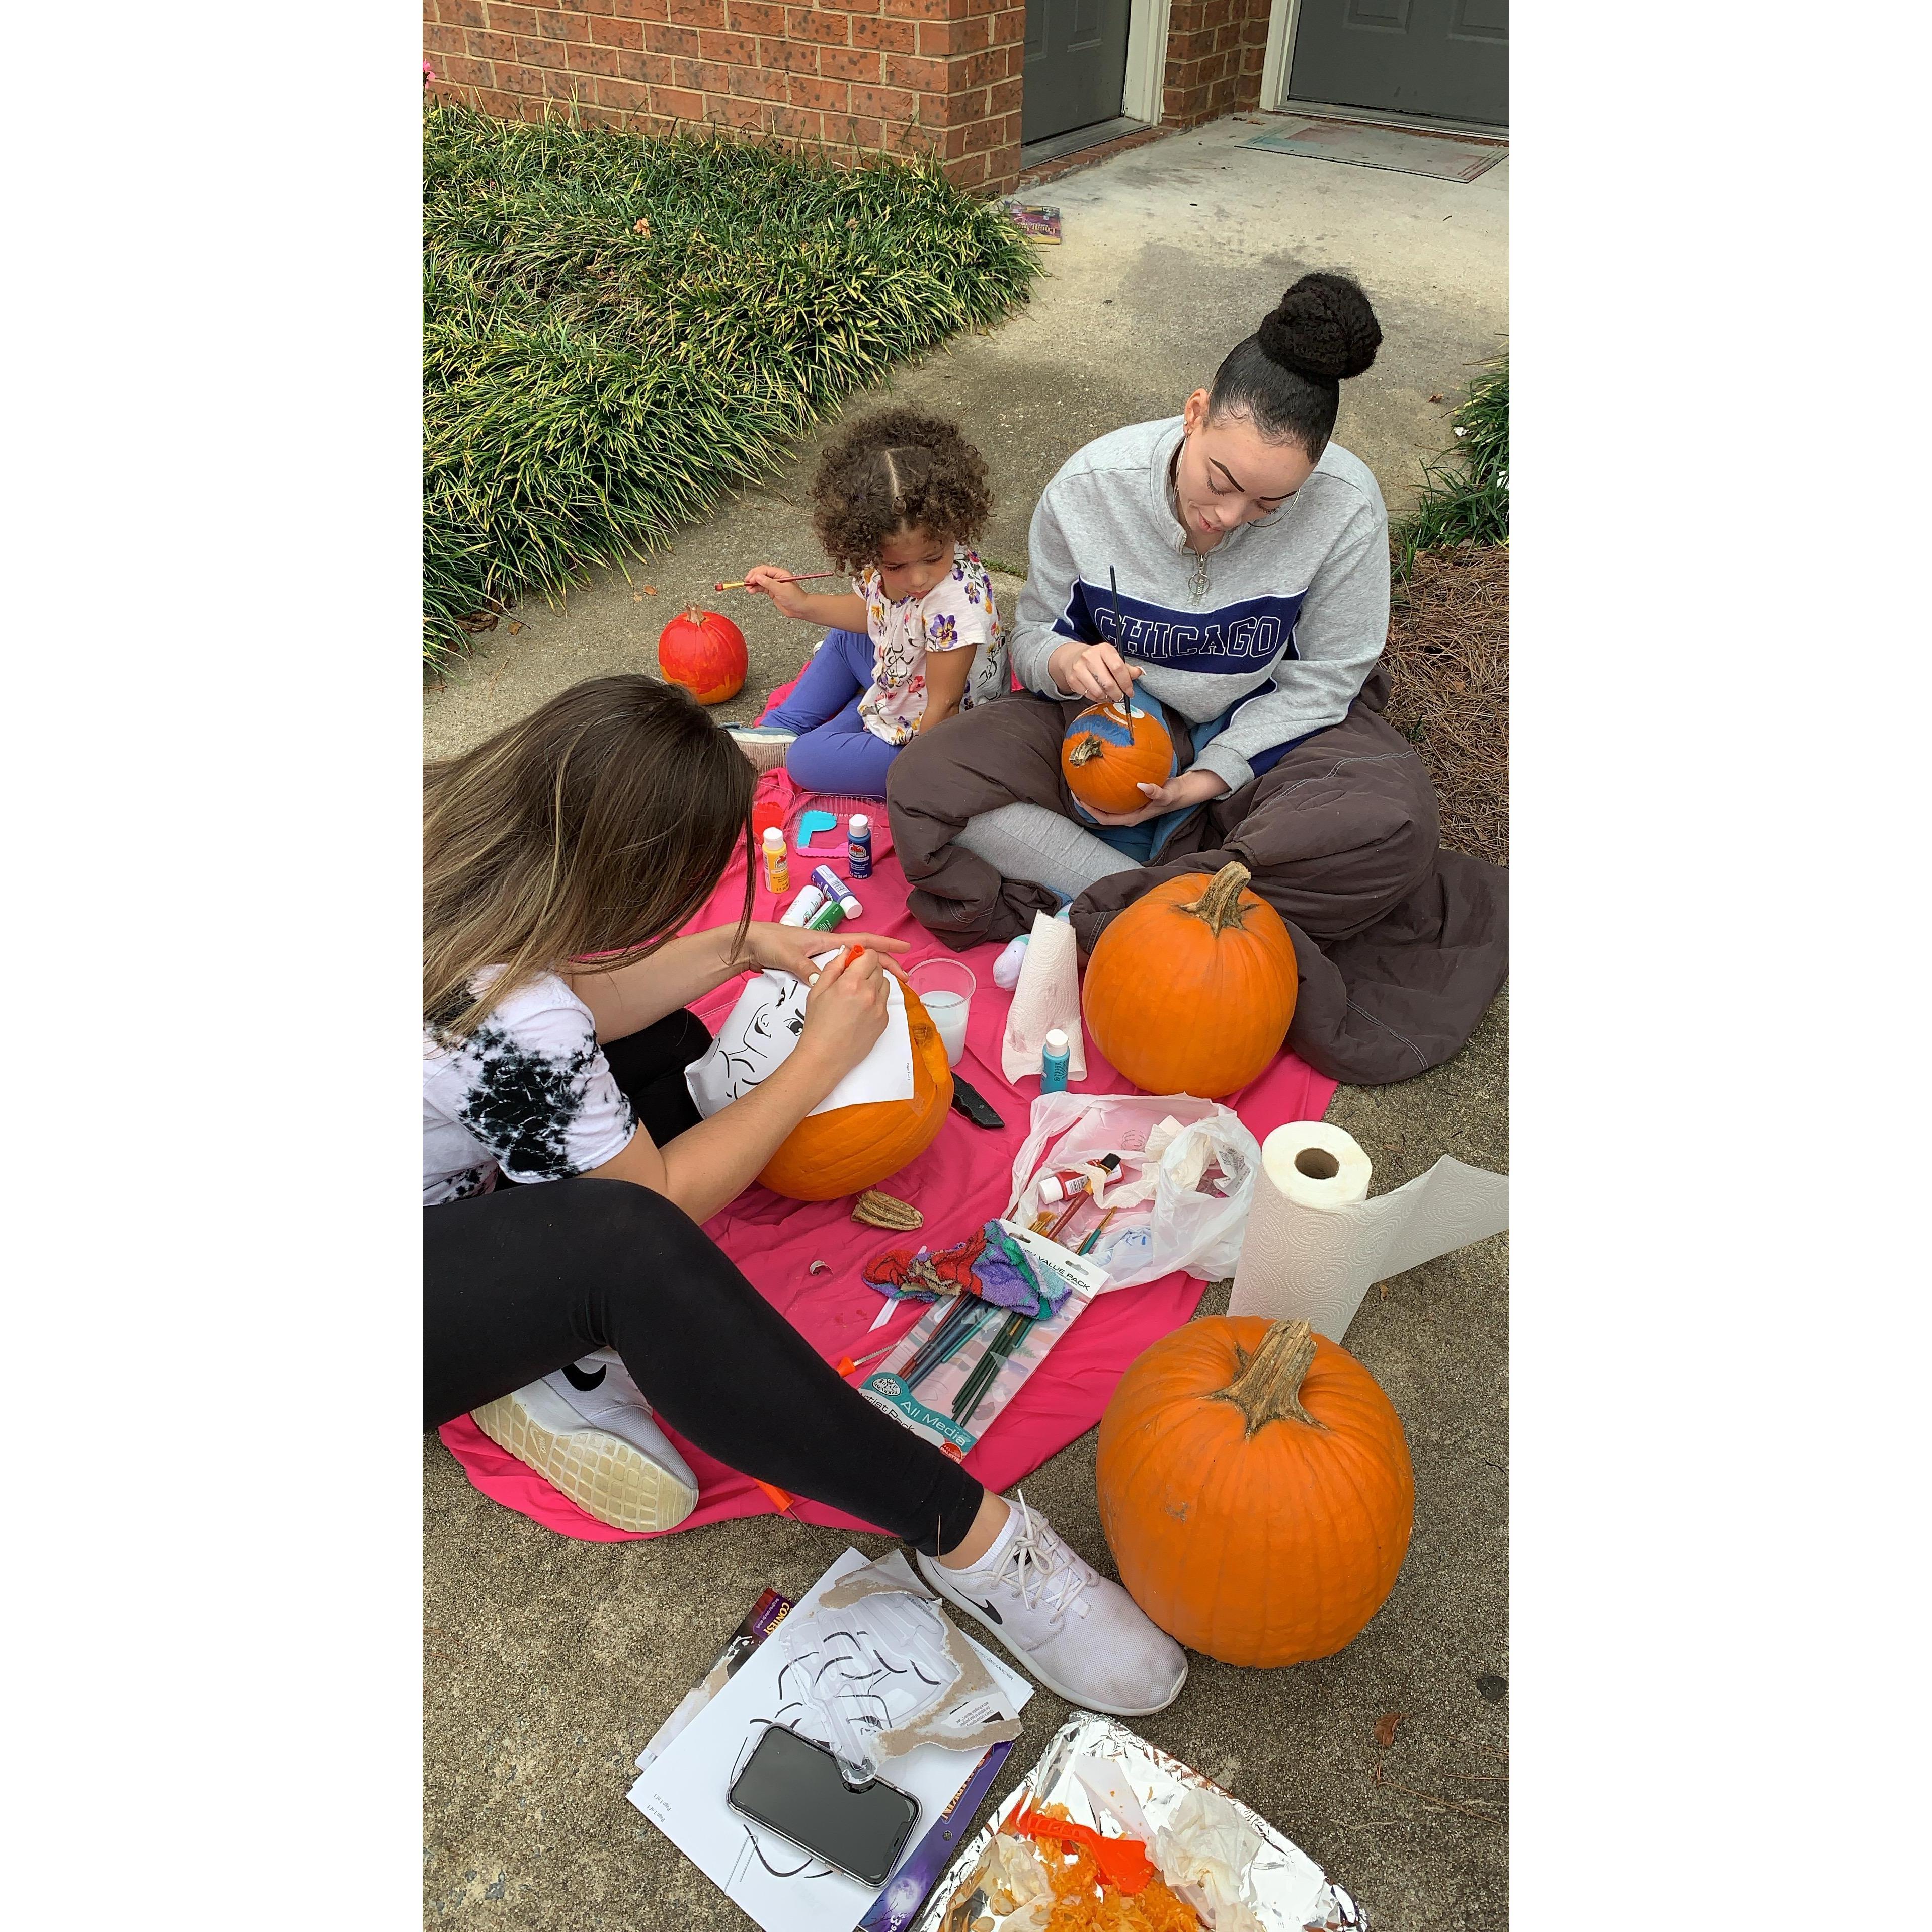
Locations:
{"points": [[811, 822]]}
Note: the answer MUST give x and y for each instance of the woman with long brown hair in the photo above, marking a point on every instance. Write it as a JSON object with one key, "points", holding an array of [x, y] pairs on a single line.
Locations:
{"points": [[568, 1291]]}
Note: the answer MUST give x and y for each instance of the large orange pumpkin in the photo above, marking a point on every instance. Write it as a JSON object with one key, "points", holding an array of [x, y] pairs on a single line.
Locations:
{"points": [[1191, 988], [1107, 753], [1256, 1489], [848, 1149], [705, 653]]}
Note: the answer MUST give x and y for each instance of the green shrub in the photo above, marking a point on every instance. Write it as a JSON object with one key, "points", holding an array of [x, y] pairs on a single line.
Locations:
{"points": [[619, 328], [1465, 501]]}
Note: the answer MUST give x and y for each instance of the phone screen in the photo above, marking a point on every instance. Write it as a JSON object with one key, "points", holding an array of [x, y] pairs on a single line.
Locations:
{"points": [[795, 1786]]}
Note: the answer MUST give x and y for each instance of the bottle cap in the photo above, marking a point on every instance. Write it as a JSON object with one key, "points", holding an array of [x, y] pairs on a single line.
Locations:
{"points": [[1056, 1042], [860, 826], [850, 908], [774, 839]]}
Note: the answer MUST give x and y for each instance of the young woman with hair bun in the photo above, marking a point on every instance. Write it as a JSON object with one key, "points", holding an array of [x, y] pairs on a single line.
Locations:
{"points": [[1228, 568]]}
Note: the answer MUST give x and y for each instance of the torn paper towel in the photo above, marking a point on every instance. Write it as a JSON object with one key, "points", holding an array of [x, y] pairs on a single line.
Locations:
{"points": [[1207, 1852], [1314, 1245], [1047, 996], [882, 1669], [760, 1031]]}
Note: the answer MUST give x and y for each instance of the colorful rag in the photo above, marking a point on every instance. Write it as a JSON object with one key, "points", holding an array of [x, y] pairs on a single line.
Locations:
{"points": [[989, 1263]]}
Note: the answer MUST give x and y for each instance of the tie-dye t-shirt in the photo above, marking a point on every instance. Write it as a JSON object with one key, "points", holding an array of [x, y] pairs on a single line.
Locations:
{"points": [[529, 1095], [956, 614]]}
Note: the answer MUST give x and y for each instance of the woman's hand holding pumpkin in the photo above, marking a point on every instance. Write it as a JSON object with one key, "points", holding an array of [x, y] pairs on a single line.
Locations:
{"points": [[1194, 787], [1096, 671]]}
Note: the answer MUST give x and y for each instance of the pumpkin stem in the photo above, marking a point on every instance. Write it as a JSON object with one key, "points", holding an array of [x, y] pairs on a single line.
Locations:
{"points": [[1087, 749], [695, 613], [1220, 905], [1268, 1389]]}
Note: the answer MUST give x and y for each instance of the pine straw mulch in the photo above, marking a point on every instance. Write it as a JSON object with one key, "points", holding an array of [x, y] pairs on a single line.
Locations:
{"points": [[1448, 660]]}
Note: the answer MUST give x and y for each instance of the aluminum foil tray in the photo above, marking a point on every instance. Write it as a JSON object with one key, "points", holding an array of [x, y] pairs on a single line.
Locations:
{"points": [[1292, 1894]]}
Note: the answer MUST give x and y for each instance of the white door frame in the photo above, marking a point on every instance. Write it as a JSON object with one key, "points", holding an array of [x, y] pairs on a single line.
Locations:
{"points": [[1282, 15], [1147, 58]]}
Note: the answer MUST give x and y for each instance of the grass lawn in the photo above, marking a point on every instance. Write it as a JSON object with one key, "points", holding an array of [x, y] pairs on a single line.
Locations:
{"points": [[618, 328], [1448, 642]]}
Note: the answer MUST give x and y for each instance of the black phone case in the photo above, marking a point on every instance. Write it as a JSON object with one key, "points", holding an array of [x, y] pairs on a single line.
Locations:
{"points": [[968, 1099], [771, 1824]]}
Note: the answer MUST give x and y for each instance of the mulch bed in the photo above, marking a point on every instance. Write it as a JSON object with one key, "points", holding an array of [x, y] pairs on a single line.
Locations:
{"points": [[1448, 660]]}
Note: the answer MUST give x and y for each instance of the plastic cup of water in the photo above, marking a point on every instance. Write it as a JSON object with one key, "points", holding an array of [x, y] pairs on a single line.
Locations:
{"points": [[946, 988]]}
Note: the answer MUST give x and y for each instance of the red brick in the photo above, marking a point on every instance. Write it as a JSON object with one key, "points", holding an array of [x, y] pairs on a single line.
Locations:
{"points": [[508, 19], [443, 40], [648, 69], [851, 63], [715, 44], [759, 83], [460, 70], [831, 97], [942, 37], [503, 106], [627, 95], [1007, 94], [677, 101], [789, 56], [562, 25], [601, 61], [697, 13], [758, 16], [461, 13], [681, 43], [895, 36], [797, 124], [866, 129], [889, 104], [490, 46], [930, 76], [640, 10], [813, 23], [618, 34]]}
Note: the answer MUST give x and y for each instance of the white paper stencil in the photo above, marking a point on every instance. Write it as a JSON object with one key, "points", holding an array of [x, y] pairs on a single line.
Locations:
{"points": [[1314, 1246], [763, 1027]]}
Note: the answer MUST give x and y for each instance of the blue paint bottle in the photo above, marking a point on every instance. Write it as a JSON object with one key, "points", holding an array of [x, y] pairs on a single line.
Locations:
{"points": [[859, 846], [1053, 1063]]}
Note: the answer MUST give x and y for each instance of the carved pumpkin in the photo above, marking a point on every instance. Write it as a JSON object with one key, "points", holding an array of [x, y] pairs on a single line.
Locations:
{"points": [[705, 653], [1107, 753], [848, 1149], [1191, 988], [1256, 1489]]}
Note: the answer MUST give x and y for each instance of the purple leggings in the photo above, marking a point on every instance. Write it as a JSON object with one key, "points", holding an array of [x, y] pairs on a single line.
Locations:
{"points": [[834, 751]]}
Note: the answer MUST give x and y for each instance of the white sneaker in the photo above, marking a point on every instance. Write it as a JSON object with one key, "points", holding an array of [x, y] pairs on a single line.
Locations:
{"points": [[588, 1429], [1079, 1634], [764, 745]]}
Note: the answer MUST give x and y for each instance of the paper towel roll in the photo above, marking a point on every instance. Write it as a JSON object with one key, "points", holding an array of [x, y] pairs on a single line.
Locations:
{"points": [[1316, 1244]]}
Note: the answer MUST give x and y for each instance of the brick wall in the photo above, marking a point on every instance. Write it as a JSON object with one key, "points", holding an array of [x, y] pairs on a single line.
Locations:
{"points": [[1215, 48], [940, 77]]}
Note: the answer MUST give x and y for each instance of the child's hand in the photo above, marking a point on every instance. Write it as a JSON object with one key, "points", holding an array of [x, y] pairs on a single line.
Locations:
{"points": [[770, 579]]}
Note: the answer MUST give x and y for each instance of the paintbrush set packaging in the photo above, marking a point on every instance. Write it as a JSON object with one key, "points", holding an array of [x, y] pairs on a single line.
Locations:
{"points": [[965, 1359]]}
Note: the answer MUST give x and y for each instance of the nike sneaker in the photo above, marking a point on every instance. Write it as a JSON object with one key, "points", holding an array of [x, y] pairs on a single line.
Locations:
{"points": [[1078, 1633], [588, 1430], [764, 745]]}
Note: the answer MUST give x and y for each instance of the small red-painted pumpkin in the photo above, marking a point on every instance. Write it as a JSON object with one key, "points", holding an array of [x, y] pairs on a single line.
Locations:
{"points": [[849, 1149], [705, 653], [1191, 988], [1256, 1489], [1109, 752]]}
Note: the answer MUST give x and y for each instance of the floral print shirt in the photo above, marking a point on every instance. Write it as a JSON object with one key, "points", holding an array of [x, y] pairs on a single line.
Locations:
{"points": [[956, 614]]}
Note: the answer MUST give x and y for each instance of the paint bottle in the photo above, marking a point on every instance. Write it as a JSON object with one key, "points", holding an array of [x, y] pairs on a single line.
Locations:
{"points": [[801, 908], [827, 915], [777, 868], [859, 846], [829, 882], [1053, 1063], [1057, 1185]]}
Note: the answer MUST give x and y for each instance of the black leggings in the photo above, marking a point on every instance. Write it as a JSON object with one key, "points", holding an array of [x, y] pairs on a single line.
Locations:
{"points": [[517, 1282]]}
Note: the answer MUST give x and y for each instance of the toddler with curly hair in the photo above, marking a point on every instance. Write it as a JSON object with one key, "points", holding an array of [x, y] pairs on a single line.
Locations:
{"points": [[897, 500]]}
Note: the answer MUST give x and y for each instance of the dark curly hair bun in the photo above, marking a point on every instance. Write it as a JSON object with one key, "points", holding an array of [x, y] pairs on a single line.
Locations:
{"points": [[1323, 329]]}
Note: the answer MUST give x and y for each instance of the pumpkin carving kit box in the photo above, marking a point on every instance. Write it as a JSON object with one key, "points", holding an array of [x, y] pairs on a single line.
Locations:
{"points": [[960, 1364]]}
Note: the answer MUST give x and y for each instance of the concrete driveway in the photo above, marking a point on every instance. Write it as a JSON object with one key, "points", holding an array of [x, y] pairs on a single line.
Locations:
{"points": [[549, 1663]]}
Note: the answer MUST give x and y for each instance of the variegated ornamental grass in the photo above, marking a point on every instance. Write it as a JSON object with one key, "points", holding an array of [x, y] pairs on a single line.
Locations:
{"points": [[618, 328]]}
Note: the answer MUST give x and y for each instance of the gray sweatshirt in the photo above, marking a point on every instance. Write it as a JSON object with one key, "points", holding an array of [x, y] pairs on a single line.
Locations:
{"points": [[1287, 629]]}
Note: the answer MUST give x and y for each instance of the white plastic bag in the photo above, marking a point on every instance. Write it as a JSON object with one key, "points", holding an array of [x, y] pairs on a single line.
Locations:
{"points": [[1166, 1215]]}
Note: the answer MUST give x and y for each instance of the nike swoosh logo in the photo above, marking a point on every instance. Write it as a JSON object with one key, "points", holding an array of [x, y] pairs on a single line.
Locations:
{"points": [[577, 1379], [987, 1610]]}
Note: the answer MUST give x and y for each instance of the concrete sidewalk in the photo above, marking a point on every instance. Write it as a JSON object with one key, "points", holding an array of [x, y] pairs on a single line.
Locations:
{"points": [[550, 1663]]}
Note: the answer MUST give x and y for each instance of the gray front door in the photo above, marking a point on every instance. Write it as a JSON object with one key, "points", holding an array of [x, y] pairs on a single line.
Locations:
{"points": [[1444, 58], [1076, 65]]}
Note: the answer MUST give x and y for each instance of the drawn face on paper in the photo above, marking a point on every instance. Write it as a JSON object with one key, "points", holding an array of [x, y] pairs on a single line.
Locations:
{"points": [[770, 1030]]}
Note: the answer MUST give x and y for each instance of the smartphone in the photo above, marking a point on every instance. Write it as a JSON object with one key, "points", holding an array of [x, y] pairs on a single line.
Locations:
{"points": [[795, 1788]]}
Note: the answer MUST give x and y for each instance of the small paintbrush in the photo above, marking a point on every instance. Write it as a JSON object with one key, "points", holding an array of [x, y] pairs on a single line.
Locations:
{"points": [[1120, 630], [810, 577]]}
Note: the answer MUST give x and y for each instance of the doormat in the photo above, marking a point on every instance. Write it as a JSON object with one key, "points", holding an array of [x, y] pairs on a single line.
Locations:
{"points": [[1362, 145]]}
